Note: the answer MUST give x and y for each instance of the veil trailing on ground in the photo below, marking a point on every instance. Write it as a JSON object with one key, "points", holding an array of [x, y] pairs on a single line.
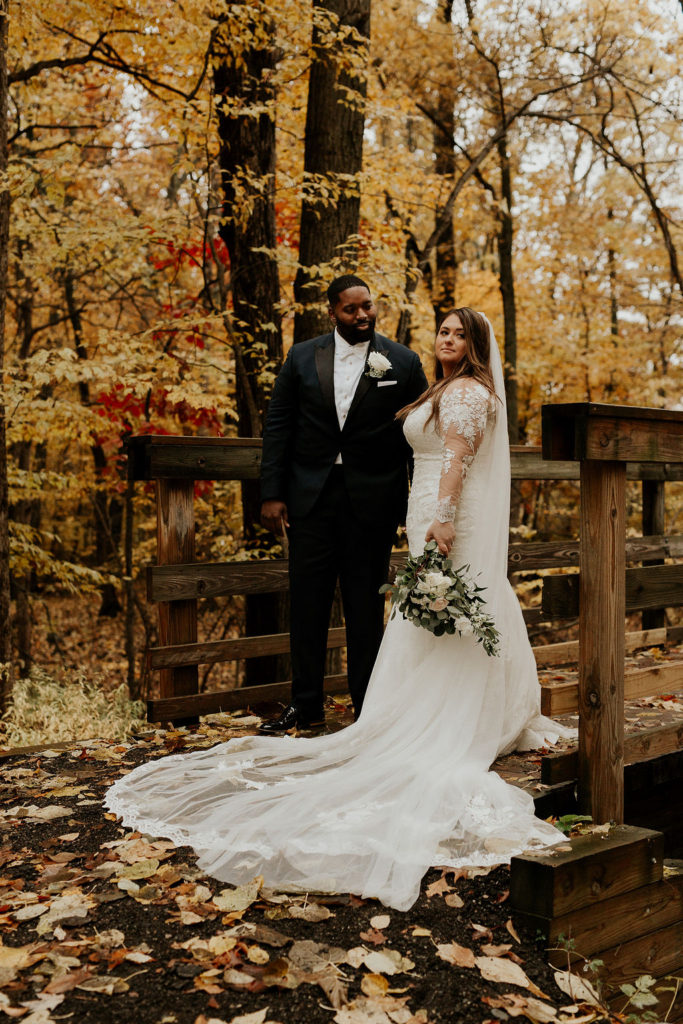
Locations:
{"points": [[370, 808]]}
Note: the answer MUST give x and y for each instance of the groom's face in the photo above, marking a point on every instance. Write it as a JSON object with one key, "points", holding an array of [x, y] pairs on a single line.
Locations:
{"points": [[354, 315]]}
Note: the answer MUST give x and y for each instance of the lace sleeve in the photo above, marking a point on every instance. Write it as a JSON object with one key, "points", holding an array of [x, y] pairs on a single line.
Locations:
{"points": [[465, 409]]}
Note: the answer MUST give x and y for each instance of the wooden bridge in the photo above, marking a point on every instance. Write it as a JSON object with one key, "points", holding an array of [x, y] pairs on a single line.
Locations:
{"points": [[601, 446]]}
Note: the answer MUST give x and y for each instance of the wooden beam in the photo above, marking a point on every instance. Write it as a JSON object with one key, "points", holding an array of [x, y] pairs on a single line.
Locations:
{"points": [[562, 698], [613, 433], [170, 709], [638, 746], [152, 456], [215, 651], [175, 544], [657, 953], [601, 640], [231, 650], [656, 586], [567, 652], [594, 868], [622, 918], [653, 519]]}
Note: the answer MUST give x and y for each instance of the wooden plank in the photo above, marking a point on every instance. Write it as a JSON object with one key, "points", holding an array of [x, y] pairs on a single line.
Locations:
{"points": [[653, 519], [567, 652], [169, 709], [562, 698], [215, 651], [615, 920], [193, 458], [231, 650], [239, 459], [601, 640], [657, 953], [534, 555], [595, 868], [216, 579], [639, 746], [222, 579], [656, 586], [588, 430], [175, 544]]}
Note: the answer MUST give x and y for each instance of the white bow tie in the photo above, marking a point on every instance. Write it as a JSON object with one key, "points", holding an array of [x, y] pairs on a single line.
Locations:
{"points": [[351, 351]]}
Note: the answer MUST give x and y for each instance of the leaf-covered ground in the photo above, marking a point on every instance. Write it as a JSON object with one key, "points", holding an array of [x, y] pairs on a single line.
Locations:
{"points": [[101, 924]]}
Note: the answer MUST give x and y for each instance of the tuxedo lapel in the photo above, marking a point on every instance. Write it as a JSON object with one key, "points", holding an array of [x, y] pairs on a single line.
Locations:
{"points": [[324, 364], [365, 383]]}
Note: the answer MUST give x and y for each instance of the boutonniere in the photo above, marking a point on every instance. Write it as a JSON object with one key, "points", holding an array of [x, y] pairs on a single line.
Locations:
{"points": [[377, 365]]}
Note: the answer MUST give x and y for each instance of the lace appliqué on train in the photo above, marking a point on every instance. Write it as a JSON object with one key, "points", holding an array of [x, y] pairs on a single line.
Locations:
{"points": [[465, 410]]}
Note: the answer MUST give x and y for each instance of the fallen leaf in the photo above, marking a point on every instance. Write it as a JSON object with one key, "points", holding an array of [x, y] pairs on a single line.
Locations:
{"points": [[104, 985], [387, 961], [453, 900], [310, 912], [505, 972], [374, 985], [71, 905], [237, 900], [512, 930], [30, 911], [452, 953], [258, 1017], [257, 955], [373, 936], [481, 932], [522, 1006], [141, 869], [439, 888], [576, 988], [488, 949]]}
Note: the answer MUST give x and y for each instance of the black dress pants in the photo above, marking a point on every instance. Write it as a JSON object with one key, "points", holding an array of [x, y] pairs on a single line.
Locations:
{"points": [[331, 543]]}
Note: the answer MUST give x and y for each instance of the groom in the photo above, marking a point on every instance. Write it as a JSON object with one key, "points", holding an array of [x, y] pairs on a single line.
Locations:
{"points": [[334, 471]]}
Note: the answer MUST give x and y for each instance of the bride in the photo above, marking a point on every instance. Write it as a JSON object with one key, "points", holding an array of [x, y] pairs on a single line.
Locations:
{"points": [[370, 808]]}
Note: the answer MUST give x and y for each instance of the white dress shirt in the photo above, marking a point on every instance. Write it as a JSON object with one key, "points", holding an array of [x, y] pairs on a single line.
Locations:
{"points": [[349, 363]]}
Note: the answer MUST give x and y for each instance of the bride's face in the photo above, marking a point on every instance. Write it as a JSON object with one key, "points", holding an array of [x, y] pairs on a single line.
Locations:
{"points": [[450, 345]]}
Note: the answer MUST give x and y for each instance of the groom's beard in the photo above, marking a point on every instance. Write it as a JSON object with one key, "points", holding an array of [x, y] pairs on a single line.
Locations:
{"points": [[354, 335]]}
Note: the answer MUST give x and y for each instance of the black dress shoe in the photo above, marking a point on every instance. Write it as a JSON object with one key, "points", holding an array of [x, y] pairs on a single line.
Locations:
{"points": [[290, 718]]}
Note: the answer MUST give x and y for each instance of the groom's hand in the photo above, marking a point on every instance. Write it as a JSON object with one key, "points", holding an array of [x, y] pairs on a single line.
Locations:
{"points": [[273, 515], [443, 534]]}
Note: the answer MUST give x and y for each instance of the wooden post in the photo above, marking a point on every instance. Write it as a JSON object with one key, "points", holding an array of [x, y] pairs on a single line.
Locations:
{"points": [[177, 619], [653, 525], [602, 611]]}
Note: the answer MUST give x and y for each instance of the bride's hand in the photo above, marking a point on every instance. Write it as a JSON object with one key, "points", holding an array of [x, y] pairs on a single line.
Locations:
{"points": [[443, 534]]}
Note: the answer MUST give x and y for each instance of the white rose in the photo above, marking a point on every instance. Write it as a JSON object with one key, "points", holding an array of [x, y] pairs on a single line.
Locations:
{"points": [[378, 362], [464, 626], [436, 583]]}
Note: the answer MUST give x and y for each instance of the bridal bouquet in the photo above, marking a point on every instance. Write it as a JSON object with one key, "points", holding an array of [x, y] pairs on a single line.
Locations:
{"points": [[432, 594]]}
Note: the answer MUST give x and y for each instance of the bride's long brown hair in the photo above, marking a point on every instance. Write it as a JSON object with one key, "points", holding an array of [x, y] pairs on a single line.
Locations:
{"points": [[476, 363]]}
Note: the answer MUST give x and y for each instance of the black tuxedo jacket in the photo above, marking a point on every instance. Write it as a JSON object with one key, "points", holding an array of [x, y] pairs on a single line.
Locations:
{"points": [[302, 437]]}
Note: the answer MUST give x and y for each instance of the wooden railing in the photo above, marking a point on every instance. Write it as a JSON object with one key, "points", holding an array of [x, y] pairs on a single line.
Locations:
{"points": [[178, 582], [603, 439]]}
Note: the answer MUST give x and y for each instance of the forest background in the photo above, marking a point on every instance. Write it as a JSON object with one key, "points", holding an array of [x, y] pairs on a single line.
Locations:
{"points": [[179, 179]]}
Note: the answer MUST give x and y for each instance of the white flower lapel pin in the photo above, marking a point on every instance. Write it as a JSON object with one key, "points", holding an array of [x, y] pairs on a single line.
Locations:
{"points": [[377, 365]]}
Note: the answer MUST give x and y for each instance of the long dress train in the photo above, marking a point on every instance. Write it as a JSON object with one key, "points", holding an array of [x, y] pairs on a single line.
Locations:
{"points": [[370, 808]]}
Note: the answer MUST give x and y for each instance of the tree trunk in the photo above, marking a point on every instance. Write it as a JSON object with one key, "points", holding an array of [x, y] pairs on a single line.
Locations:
{"points": [[246, 126], [507, 289], [5, 632], [443, 287], [333, 151]]}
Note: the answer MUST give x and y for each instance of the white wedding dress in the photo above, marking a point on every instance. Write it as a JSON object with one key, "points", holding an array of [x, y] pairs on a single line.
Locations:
{"points": [[370, 808]]}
